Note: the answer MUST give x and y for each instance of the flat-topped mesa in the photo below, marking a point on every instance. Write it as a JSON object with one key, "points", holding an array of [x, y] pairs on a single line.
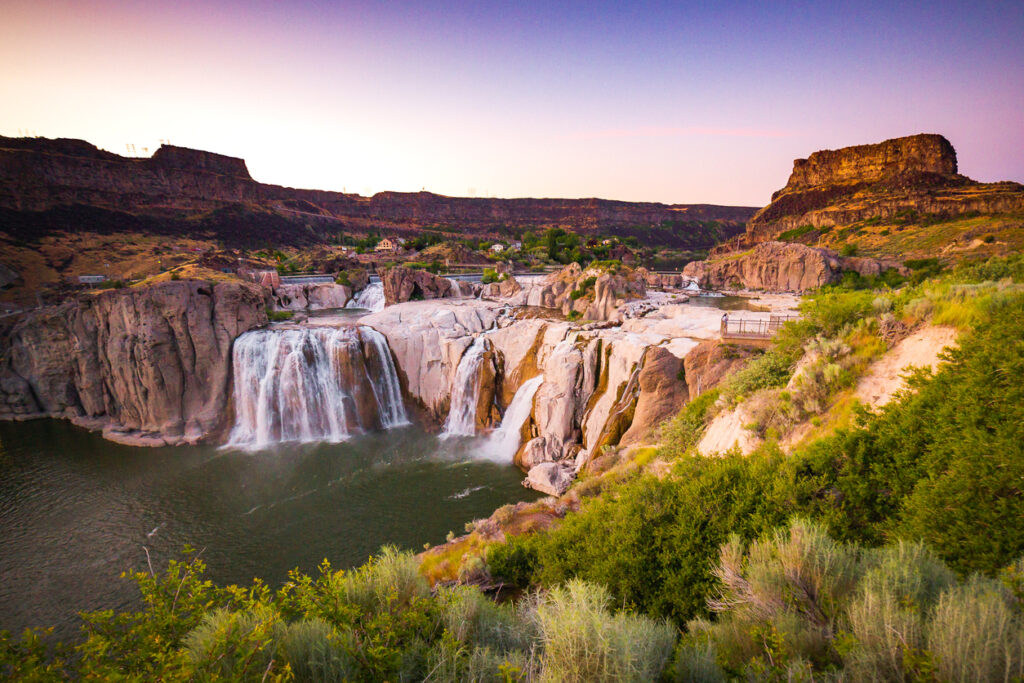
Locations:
{"points": [[183, 158], [881, 181], [889, 160]]}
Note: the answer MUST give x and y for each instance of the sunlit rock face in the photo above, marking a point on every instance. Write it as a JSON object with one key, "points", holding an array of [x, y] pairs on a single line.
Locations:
{"points": [[154, 362]]}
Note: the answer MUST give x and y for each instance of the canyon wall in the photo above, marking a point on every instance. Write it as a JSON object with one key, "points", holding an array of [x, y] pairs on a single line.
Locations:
{"points": [[38, 177], [149, 364]]}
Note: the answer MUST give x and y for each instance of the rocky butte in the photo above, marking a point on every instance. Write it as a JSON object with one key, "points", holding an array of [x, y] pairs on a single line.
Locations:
{"points": [[866, 209]]}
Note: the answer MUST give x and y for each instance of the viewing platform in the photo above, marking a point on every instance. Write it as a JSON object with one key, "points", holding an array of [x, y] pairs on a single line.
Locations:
{"points": [[754, 331]]}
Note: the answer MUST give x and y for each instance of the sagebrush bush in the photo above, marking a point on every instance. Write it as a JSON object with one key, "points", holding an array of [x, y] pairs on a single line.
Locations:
{"points": [[976, 633], [584, 642]]}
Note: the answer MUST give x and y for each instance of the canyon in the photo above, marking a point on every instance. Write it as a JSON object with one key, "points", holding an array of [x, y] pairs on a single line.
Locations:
{"points": [[49, 186], [180, 362]]}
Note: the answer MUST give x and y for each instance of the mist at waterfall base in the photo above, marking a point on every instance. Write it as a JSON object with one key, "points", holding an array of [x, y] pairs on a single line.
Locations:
{"points": [[76, 510]]}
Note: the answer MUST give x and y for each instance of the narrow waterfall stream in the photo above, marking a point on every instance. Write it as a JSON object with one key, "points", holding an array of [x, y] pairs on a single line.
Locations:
{"points": [[461, 419], [503, 442], [370, 298], [313, 384]]}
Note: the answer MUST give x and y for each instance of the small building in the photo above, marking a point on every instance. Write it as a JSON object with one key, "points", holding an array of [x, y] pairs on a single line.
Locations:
{"points": [[91, 279], [607, 242], [497, 248], [517, 245], [387, 244]]}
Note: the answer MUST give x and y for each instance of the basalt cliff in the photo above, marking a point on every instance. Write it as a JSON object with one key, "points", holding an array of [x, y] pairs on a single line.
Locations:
{"points": [[875, 182], [867, 209], [49, 186]]}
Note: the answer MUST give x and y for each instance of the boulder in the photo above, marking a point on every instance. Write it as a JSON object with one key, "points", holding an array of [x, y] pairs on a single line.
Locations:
{"points": [[549, 477], [595, 293]]}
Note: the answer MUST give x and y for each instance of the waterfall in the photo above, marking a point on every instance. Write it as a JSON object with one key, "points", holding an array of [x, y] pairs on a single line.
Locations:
{"points": [[312, 384], [370, 298], [504, 441], [456, 287], [465, 392]]}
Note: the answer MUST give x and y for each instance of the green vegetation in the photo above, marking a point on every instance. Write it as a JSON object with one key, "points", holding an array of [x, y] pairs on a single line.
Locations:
{"points": [[490, 275], [795, 233], [279, 316], [379, 622], [796, 604], [583, 289], [889, 548]]}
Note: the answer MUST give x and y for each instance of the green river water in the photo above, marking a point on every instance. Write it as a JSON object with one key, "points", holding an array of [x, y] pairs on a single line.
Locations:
{"points": [[76, 510]]}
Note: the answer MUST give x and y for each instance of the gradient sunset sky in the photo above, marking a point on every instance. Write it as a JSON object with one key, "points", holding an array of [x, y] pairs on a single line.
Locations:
{"points": [[671, 102]]}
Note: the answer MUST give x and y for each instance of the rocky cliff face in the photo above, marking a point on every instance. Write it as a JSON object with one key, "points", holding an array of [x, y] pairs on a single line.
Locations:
{"points": [[604, 386], [780, 267], [149, 364], [889, 160], [840, 187], [40, 178]]}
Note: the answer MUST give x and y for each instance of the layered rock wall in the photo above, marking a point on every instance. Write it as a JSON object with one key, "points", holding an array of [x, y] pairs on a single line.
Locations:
{"points": [[840, 187], [152, 364], [915, 154], [38, 174]]}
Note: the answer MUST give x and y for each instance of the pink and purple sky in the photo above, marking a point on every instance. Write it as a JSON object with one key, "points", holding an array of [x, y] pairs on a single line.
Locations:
{"points": [[661, 101]]}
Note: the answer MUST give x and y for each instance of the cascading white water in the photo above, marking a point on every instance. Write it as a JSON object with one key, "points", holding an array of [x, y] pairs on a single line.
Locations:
{"points": [[370, 298], [312, 384], [461, 419], [504, 441], [386, 389], [456, 286]]}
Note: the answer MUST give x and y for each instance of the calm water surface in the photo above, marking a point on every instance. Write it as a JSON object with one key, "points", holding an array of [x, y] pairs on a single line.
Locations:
{"points": [[76, 511]]}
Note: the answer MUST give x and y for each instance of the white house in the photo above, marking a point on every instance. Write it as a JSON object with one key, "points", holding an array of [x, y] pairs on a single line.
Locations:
{"points": [[387, 244], [497, 248]]}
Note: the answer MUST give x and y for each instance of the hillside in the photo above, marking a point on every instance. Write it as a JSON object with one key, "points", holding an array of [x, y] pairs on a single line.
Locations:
{"points": [[899, 198], [49, 186]]}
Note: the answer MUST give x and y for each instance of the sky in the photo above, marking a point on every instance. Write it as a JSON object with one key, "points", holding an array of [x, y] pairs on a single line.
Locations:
{"points": [[674, 102]]}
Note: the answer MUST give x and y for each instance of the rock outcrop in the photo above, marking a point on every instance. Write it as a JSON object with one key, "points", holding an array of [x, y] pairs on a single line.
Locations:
{"points": [[312, 297], [149, 364], [840, 187], [410, 284], [595, 293], [769, 266]]}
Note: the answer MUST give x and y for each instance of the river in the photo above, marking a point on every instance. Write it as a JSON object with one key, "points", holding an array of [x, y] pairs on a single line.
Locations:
{"points": [[76, 510]]}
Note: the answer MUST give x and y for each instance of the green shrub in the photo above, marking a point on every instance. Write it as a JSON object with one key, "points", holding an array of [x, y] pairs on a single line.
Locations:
{"points": [[684, 430], [797, 602], [490, 275], [343, 279], [976, 633], [584, 642], [848, 249], [795, 233], [279, 316], [772, 368]]}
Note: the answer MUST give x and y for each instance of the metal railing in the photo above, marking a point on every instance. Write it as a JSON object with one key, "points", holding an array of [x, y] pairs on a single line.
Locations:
{"points": [[755, 329]]}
